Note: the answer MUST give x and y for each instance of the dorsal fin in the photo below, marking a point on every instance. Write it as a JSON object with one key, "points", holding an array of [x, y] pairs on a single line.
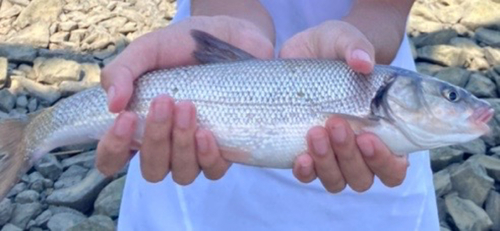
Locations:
{"points": [[210, 49]]}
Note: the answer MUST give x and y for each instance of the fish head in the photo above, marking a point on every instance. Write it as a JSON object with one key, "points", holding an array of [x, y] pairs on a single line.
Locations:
{"points": [[432, 113]]}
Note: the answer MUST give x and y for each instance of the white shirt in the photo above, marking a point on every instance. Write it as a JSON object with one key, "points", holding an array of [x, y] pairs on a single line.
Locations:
{"points": [[251, 198]]}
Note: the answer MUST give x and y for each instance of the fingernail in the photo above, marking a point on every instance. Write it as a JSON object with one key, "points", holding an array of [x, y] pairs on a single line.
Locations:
{"points": [[111, 94], [366, 148], [338, 133], [320, 145], [161, 110], [201, 143], [183, 116], [123, 124], [361, 55]]}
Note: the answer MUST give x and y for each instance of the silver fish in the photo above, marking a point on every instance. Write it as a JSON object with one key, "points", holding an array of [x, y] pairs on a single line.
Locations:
{"points": [[261, 110]]}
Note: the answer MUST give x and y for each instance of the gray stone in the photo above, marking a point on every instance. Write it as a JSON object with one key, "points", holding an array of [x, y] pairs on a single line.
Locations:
{"points": [[95, 223], [462, 42], [22, 101], [443, 157], [10, 227], [476, 146], [7, 100], [481, 86], [442, 182], [71, 176], [56, 70], [32, 104], [43, 218], [492, 208], [3, 70], [81, 195], [49, 167], [62, 209], [19, 187], [445, 55], [490, 164], [480, 13], [435, 38], [71, 87], [63, 221], [471, 182], [455, 75], [492, 55], [488, 37], [39, 10], [47, 94], [86, 160], [428, 68], [108, 201], [23, 213], [6, 209], [28, 196], [16, 53], [466, 215], [37, 34]]}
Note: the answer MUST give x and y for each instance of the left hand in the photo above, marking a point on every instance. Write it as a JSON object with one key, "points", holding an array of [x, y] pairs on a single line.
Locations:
{"points": [[336, 155]]}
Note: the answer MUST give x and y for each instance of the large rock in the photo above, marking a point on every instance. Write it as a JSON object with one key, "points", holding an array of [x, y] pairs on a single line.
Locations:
{"points": [[490, 164], [108, 201], [6, 209], [86, 159], [492, 55], [63, 221], [428, 68], [95, 223], [80, 196], [10, 227], [53, 71], [43, 218], [7, 100], [70, 177], [481, 13], [445, 55], [471, 182], [455, 75], [49, 167], [47, 94], [466, 215], [488, 37], [481, 86], [18, 53], [23, 213], [493, 209], [476, 146], [40, 10], [435, 38], [445, 156], [28, 196], [37, 34], [442, 182]]}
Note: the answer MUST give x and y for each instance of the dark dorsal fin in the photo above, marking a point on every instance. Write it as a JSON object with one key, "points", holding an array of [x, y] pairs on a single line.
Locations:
{"points": [[210, 49]]}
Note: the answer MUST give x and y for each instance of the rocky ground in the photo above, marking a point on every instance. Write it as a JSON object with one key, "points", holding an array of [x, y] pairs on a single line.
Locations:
{"points": [[50, 49]]}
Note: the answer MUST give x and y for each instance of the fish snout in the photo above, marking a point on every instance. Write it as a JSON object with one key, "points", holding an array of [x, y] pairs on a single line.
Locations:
{"points": [[482, 115]]}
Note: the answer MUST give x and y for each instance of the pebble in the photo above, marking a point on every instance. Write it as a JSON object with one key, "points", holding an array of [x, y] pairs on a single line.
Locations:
{"points": [[22, 101], [6, 209], [476, 146], [10, 227], [445, 55], [454, 75], [49, 167], [23, 213], [490, 164], [46, 93], [56, 70], [28, 196], [435, 38], [7, 100], [16, 53], [71, 176], [108, 201], [442, 182], [32, 104], [493, 209], [37, 34], [481, 86], [3, 71], [39, 11], [95, 223], [43, 218], [492, 55], [488, 37], [86, 159]]}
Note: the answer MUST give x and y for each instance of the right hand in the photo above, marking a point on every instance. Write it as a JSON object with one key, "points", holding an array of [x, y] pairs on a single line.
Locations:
{"points": [[172, 142]]}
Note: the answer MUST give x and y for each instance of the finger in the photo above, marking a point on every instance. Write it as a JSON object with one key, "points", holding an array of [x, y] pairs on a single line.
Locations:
{"points": [[351, 163], [303, 168], [113, 151], [332, 40], [325, 163], [184, 166], [209, 156], [389, 168], [155, 149]]}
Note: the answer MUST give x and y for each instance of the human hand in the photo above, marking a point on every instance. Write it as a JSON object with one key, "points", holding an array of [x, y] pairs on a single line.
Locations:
{"points": [[171, 142], [337, 156]]}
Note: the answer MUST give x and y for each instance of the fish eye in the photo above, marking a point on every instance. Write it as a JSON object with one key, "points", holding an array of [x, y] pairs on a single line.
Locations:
{"points": [[451, 95]]}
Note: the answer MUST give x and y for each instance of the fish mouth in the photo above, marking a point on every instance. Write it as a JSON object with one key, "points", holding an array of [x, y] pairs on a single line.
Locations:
{"points": [[481, 117]]}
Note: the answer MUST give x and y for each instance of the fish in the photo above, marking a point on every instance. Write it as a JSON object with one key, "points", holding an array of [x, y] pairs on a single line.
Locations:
{"points": [[260, 110]]}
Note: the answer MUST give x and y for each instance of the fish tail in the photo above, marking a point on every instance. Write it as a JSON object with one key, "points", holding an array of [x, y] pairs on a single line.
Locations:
{"points": [[14, 160]]}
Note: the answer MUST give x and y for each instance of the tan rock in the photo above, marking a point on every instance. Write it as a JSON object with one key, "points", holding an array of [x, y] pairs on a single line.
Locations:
{"points": [[35, 35], [39, 10], [481, 13]]}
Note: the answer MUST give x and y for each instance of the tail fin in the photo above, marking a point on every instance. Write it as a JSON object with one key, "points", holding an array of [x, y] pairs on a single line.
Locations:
{"points": [[14, 160]]}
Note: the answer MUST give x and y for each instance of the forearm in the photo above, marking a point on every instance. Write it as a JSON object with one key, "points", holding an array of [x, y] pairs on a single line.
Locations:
{"points": [[250, 10], [383, 22]]}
